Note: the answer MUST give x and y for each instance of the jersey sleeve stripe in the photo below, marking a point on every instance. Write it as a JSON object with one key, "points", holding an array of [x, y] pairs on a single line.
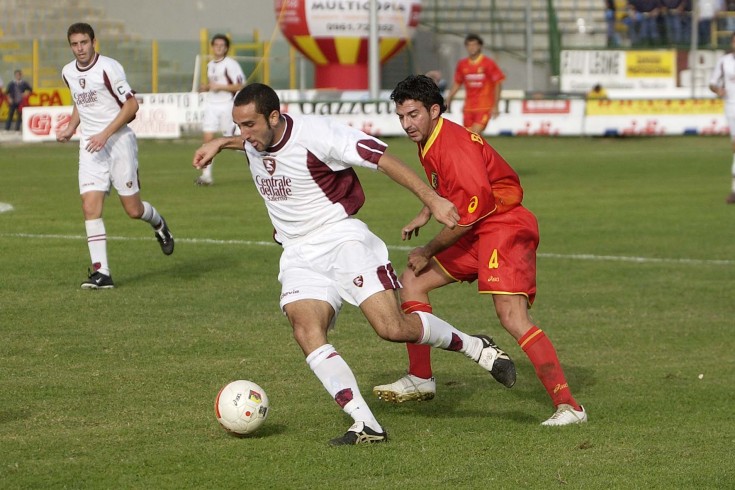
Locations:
{"points": [[370, 150]]}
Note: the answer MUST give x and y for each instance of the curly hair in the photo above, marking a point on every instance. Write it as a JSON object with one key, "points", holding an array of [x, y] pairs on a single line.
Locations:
{"points": [[419, 88]]}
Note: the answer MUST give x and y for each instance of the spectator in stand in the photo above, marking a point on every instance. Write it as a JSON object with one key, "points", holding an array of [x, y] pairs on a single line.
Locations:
{"points": [[613, 39], [673, 11], [686, 22], [644, 19], [708, 9], [17, 92], [729, 8], [597, 92]]}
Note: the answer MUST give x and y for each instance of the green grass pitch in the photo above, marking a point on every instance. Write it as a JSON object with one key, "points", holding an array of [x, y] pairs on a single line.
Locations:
{"points": [[115, 389]]}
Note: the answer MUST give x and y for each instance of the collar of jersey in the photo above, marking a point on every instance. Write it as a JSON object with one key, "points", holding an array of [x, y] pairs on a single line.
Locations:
{"points": [[284, 137], [89, 66], [433, 137], [479, 58]]}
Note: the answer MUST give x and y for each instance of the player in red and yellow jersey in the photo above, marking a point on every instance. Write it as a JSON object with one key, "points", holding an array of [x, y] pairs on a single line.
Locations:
{"points": [[494, 243], [482, 80]]}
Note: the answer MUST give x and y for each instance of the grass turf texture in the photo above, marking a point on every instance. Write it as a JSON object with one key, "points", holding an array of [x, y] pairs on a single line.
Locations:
{"points": [[115, 389]]}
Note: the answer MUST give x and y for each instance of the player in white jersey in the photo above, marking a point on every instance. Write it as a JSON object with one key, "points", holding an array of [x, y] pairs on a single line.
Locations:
{"points": [[311, 192], [224, 79], [104, 104], [722, 83]]}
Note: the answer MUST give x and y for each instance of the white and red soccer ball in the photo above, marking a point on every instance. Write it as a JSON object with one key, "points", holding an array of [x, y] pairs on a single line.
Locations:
{"points": [[241, 407]]}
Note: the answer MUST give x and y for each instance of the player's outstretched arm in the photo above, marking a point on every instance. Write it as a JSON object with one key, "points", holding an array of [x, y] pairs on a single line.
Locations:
{"points": [[204, 154], [442, 209]]}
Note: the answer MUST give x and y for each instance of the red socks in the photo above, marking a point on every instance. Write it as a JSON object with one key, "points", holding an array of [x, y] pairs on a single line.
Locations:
{"points": [[419, 355], [542, 354]]}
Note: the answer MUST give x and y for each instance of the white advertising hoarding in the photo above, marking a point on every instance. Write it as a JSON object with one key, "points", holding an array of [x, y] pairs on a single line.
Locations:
{"points": [[580, 70], [41, 123], [164, 115]]}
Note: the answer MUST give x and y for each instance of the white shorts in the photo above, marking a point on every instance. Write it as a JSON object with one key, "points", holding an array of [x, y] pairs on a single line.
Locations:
{"points": [[345, 261], [218, 118], [116, 164], [730, 116]]}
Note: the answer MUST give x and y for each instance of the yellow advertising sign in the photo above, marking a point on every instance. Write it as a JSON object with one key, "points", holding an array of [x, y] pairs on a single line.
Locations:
{"points": [[41, 97], [653, 64], [657, 107]]}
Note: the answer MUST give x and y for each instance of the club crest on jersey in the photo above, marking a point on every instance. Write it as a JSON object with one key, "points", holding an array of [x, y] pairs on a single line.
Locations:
{"points": [[82, 82], [434, 180], [269, 164], [358, 281], [129, 184]]}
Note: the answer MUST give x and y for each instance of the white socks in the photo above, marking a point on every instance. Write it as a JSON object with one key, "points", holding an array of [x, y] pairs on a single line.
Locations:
{"points": [[207, 171], [337, 378], [150, 215], [440, 334], [97, 243]]}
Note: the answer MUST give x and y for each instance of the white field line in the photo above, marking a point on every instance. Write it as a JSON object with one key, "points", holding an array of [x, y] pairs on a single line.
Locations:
{"points": [[212, 241]]}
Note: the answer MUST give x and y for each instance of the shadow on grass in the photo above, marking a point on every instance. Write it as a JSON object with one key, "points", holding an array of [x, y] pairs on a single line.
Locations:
{"points": [[13, 415], [191, 267]]}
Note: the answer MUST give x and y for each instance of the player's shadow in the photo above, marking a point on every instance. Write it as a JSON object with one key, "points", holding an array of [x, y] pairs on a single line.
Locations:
{"points": [[268, 430], [13, 415], [190, 268]]}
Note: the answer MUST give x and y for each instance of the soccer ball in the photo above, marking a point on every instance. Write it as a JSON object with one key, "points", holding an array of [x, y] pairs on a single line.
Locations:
{"points": [[241, 407]]}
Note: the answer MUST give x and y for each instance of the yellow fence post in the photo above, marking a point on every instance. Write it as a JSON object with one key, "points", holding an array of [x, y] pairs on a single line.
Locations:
{"points": [[291, 67], [35, 64], [204, 50], [154, 67]]}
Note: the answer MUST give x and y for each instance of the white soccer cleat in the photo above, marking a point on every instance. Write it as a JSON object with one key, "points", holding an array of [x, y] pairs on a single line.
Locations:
{"points": [[204, 181], [566, 415], [407, 389]]}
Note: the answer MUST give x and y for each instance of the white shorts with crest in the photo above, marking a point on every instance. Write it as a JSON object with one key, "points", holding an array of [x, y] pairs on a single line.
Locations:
{"points": [[343, 262], [115, 165]]}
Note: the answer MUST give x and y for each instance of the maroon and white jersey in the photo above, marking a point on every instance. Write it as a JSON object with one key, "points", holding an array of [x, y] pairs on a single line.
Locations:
{"points": [[226, 71], [98, 90], [723, 75], [307, 179]]}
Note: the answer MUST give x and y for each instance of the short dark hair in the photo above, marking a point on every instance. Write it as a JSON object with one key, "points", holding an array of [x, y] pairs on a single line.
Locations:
{"points": [[222, 37], [265, 98], [473, 37], [80, 28], [420, 88]]}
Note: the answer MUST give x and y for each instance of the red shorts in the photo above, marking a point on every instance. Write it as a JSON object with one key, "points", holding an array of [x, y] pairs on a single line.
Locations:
{"points": [[500, 252], [475, 117]]}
